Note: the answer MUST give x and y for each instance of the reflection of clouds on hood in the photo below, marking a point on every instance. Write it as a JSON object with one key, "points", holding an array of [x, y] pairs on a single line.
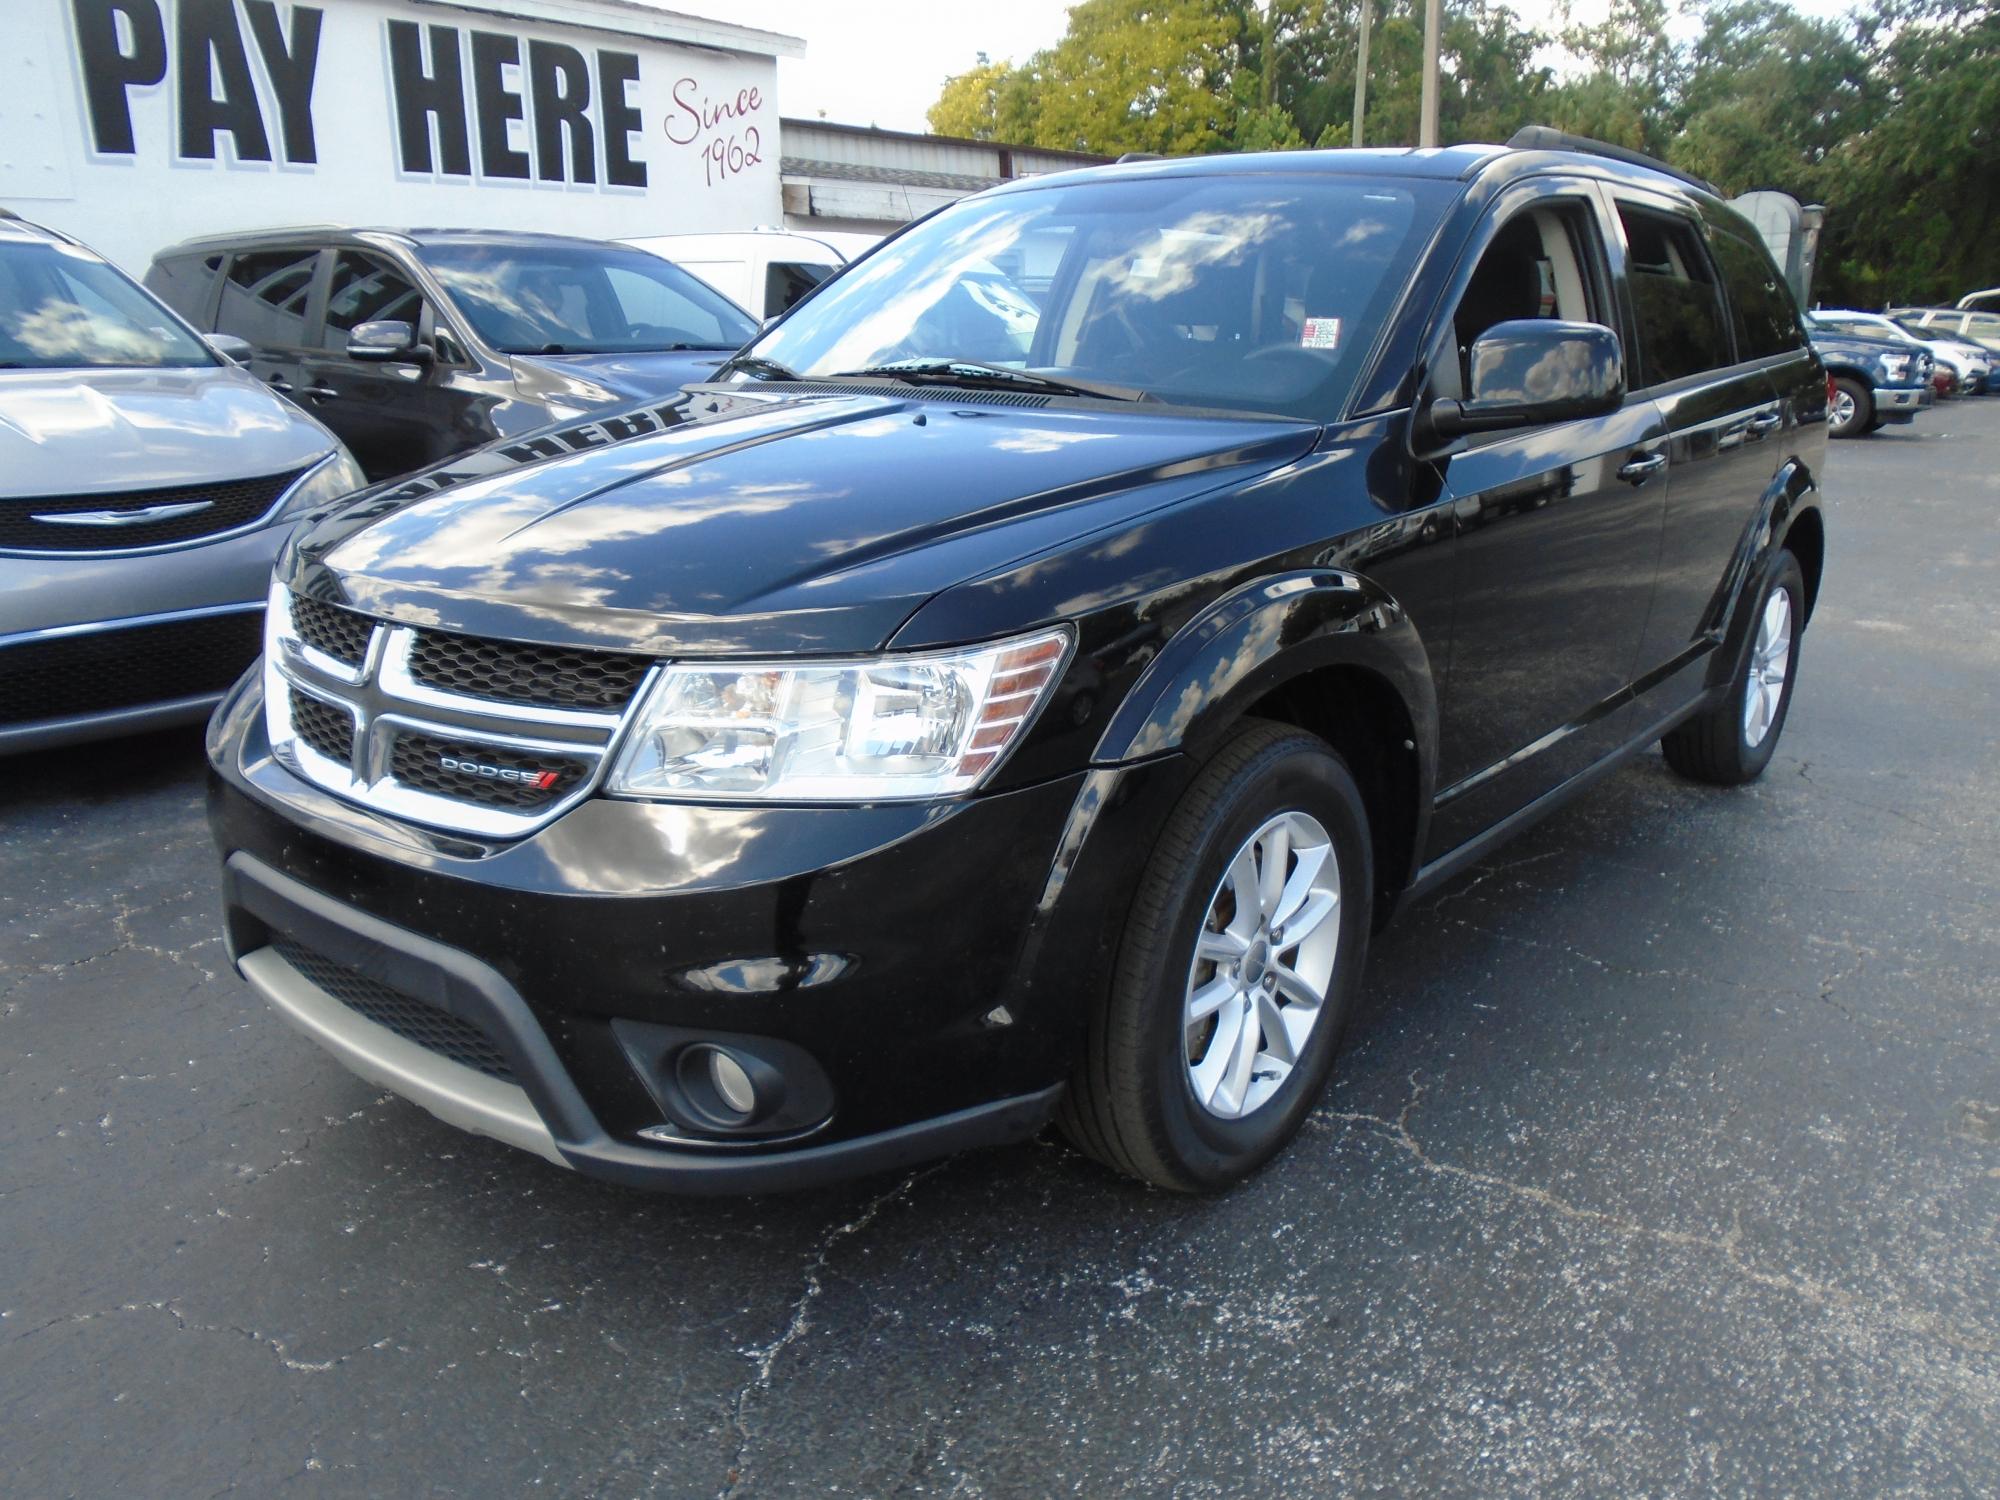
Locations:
{"points": [[68, 330], [1046, 441]]}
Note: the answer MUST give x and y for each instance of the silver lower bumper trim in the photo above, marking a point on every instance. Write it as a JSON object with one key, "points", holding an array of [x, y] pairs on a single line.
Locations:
{"points": [[456, 1094]]}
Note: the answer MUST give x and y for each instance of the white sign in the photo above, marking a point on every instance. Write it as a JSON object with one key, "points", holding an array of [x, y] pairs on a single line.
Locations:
{"points": [[136, 123]]}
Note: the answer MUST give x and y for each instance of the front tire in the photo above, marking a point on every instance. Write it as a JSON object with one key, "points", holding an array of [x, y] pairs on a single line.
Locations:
{"points": [[1733, 742], [1242, 953], [1853, 409]]}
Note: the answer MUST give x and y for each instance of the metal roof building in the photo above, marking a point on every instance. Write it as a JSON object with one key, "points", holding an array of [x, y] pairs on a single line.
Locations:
{"points": [[860, 180]]}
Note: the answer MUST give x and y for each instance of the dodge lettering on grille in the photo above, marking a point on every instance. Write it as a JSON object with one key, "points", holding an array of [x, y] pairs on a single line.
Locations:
{"points": [[542, 780]]}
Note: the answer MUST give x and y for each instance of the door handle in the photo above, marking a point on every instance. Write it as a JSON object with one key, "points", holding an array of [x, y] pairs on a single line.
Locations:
{"points": [[1639, 470], [1765, 425], [320, 392], [281, 385]]}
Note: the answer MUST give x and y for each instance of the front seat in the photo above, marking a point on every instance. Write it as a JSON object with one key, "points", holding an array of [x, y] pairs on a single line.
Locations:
{"points": [[1506, 285]]}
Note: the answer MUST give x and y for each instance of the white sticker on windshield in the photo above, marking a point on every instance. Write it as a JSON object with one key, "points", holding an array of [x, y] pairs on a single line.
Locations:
{"points": [[1320, 333]]}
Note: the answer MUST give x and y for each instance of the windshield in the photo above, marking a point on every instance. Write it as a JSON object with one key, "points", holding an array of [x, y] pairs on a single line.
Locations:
{"points": [[584, 299], [1244, 292], [62, 309]]}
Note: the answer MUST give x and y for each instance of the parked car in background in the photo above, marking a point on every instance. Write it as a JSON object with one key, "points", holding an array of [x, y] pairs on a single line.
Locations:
{"points": [[414, 345], [146, 482], [903, 747], [1874, 381], [1967, 365], [1987, 300], [764, 270], [1981, 328]]}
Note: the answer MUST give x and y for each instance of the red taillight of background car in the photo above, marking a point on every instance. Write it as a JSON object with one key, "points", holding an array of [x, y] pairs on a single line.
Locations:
{"points": [[1944, 382]]}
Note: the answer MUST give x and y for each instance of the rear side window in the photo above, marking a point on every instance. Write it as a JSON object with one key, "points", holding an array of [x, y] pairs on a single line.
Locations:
{"points": [[1760, 304], [1683, 329], [264, 297], [367, 290]]}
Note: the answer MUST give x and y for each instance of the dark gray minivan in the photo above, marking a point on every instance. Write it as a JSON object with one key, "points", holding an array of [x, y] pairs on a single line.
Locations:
{"points": [[417, 345]]}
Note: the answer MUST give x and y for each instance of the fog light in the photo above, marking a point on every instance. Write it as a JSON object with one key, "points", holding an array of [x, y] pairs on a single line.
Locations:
{"points": [[732, 1084]]}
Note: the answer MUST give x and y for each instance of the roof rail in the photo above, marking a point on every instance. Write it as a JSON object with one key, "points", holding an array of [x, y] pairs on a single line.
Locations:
{"points": [[7, 213], [1548, 138]]}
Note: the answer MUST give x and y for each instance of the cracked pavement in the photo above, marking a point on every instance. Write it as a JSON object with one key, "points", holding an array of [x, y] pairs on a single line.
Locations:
{"points": [[1664, 1158]]}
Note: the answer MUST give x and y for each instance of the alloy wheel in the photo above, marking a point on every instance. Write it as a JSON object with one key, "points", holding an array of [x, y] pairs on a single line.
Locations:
{"points": [[1770, 661], [1262, 966]]}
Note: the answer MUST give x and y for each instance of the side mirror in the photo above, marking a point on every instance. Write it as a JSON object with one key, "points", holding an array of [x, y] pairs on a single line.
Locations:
{"points": [[386, 341], [1532, 371], [230, 347]]}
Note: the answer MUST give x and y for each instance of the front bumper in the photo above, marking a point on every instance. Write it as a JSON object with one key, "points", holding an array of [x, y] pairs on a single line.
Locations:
{"points": [[1900, 403], [916, 956], [94, 645]]}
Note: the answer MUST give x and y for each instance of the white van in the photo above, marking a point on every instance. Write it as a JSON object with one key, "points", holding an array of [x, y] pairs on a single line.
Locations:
{"points": [[762, 270]]}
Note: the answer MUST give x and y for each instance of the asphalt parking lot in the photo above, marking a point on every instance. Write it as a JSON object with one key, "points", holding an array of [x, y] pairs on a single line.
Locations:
{"points": [[1664, 1159]]}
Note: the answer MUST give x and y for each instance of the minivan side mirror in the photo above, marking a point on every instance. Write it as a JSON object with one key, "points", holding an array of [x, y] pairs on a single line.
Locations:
{"points": [[386, 340], [230, 347], [1531, 371]]}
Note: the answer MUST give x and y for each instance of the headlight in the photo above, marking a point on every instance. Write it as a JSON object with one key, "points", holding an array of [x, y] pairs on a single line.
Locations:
{"points": [[333, 478], [1896, 366], [884, 727]]}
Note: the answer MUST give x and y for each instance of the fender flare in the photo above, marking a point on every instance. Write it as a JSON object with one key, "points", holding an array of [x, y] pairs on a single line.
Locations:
{"points": [[1792, 495], [1261, 636]]}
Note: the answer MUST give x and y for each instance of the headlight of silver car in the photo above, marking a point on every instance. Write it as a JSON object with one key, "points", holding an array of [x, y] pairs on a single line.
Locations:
{"points": [[868, 730], [333, 477]]}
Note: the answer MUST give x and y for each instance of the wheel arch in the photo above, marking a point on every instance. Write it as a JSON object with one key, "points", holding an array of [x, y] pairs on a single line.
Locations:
{"points": [[1330, 653]]}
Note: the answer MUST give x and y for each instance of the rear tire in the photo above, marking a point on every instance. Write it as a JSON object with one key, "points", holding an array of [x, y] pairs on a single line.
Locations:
{"points": [[1731, 743], [1220, 1026], [1853, 408]]}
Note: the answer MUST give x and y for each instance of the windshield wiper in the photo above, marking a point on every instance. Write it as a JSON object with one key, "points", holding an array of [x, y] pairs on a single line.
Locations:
{"points": [[756, 364], [976, 374]]}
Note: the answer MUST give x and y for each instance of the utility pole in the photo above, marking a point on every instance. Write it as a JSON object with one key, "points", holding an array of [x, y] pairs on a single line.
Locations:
{"points": [[1361, 70], [1427, 121]]}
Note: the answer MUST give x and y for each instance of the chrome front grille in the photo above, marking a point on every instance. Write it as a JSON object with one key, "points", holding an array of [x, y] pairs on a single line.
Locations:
{"points": [[140, 519], [349, 710]]}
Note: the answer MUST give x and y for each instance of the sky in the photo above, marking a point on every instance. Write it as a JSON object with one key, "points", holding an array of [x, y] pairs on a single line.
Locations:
{"points": [[882, 62]]}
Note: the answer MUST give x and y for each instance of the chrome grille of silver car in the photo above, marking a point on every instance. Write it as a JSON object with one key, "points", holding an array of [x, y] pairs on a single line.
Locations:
{"points": [[490, 767]]}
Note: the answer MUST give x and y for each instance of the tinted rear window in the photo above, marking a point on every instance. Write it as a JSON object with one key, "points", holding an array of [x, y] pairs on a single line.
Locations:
{"points": [[264, 297], [1760, 304]]}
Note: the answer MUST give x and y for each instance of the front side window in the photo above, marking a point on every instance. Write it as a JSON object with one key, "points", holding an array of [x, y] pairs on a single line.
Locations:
{"points": [[1239, 292], [1683, 329], [61, 309], [367, 289], [1541, 264], [264, 297], [1760, 305], [583, 299]]}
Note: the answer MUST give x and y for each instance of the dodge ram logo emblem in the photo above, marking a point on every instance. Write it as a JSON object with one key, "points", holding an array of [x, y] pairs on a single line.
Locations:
{"points": [[541, 781]]}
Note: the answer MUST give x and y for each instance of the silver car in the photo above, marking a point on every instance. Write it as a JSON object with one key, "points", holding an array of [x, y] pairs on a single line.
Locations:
{"points": [[146, 483]]}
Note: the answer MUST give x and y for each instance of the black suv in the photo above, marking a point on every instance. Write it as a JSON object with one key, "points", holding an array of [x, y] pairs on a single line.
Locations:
{"points": [[416, 345], [1021, 685]]}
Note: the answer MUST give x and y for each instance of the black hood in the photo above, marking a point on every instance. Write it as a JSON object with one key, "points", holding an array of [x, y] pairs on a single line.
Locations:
{"points": [[748, 523]]}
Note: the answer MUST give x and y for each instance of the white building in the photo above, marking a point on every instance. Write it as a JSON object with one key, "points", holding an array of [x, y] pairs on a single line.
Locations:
{"points": [[133, 124]]}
